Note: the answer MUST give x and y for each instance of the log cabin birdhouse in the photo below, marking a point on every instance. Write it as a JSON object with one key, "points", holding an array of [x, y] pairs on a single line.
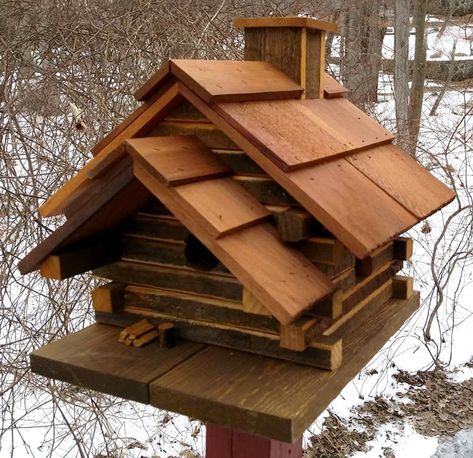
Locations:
{"points": [[253, 208]]}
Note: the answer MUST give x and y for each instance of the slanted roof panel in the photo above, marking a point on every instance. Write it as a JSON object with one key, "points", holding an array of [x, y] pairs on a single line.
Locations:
{"points": [[231, 81], [298, 133], [333, 89], [350, 205], [178, 160], [402, 178], [355, 209], [227, 219], [140, 121]]}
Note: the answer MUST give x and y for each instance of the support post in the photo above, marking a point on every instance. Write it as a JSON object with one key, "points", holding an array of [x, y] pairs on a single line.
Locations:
{"points": [[224, 442]]}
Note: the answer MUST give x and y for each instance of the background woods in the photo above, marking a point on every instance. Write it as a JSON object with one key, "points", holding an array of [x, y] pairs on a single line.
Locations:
{"points": [[67, 74]]}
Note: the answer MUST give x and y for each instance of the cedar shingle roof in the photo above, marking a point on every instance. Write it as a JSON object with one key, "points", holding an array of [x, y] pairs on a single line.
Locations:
{"points": [[332, 158]]}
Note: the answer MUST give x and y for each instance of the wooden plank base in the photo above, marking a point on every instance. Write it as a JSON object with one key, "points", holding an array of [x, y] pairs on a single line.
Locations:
{"points": [[259, 395], [93, 358], [228, 443]]}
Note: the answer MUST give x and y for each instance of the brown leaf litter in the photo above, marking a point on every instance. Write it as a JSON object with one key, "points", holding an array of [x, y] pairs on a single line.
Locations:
{"points": [[433, 404]]}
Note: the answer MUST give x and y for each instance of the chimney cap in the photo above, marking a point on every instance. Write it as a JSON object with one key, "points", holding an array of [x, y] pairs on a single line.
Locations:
{"points": [[290, 21]]}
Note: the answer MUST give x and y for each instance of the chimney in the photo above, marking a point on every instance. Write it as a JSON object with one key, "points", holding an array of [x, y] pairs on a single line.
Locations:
{"points": [[296, 45]]}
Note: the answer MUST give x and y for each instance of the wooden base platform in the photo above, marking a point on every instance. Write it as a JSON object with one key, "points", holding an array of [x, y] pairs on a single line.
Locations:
{"points": [[255, 394]]}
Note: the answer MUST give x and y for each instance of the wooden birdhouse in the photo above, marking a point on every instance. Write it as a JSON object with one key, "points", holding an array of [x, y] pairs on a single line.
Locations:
{"points": [[250, 208]]}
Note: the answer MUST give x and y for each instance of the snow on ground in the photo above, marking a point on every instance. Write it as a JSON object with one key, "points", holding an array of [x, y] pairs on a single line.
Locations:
{"points": [[411, 445], [438, 48], [146, 432], [407, 350]]}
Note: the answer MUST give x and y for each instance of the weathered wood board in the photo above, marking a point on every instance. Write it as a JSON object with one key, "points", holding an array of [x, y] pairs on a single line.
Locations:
{"points": [[234, 81], [94, 358], [298, 133]]}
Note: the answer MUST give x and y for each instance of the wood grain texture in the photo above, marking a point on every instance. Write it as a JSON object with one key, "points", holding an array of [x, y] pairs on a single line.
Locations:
{"points": [[140, 124], [325, 354], [268, 397], [399, 249], [303, 184], [403, 287], [262, 396], [297, 133], [314, 64], [190, 306], [282, 279], [300, 334], [287, 21], [333, 89], [294, 224], [381, 257], [82, 257], [349, 203], [222, 205], [179, 279], [93, 358], [239, 162], [403, 178], [266, 190], [157, 93], [102, 215], [205, 132], [354, 317], [279, 46], [177, 160], [162, 252], [235, 81], [109, 297]]}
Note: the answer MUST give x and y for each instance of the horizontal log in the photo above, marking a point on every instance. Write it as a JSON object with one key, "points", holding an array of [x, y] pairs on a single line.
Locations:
{"points": [[400, 249], [205, 132], [159, 227], [266, 190], [355, 292], [81, 257], [345, 279], [240, 162], [163, 251], [355, 316], [194, 307], [326, 250], [190, 280], [155, 251], [366, 285], [296, 224], [326, 354]]}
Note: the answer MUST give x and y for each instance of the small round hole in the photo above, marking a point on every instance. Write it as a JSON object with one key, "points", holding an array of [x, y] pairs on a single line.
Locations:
{"points": [[198, 255]]}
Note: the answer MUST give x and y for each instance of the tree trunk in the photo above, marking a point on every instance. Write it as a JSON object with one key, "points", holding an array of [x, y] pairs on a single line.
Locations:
{"points": [[416, 95], [401, 70], [363, 31]]}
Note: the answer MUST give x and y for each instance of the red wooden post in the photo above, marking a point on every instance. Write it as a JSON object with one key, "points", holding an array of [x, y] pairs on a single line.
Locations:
{"points": [[227, 443]]}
